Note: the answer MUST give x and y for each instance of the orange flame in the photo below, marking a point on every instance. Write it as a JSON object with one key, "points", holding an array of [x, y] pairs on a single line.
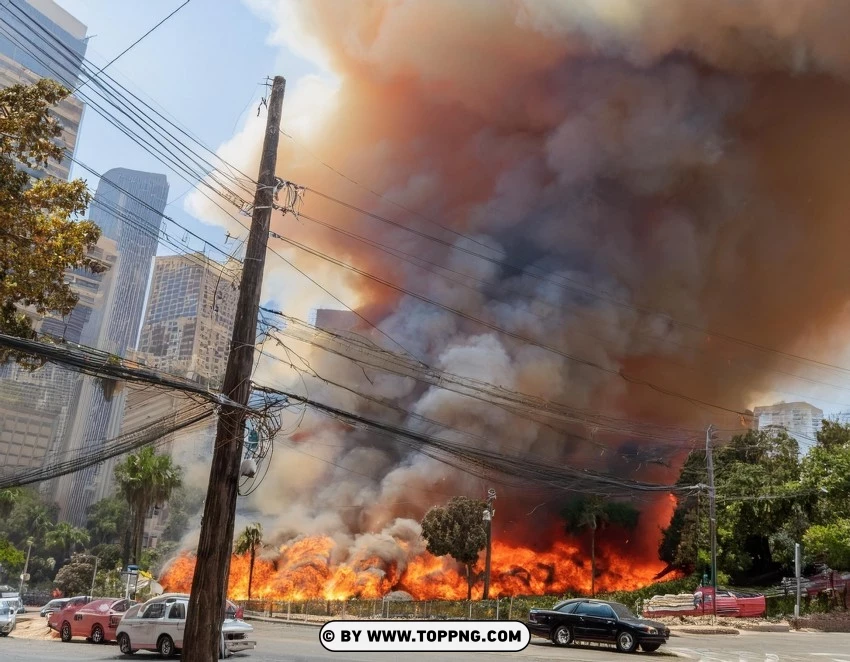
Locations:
{"points": [[304, 571]]}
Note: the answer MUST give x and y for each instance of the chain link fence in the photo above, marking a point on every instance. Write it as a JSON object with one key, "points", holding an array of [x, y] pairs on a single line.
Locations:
{"points": [[322, 610]]}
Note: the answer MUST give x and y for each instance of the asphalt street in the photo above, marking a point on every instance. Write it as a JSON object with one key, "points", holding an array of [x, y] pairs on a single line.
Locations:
{"points": [[298, 643]]}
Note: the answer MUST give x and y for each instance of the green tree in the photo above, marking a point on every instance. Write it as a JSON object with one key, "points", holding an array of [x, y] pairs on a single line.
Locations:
{"points": [[247, 542], [753, 532], [457, 530], [65, 539], [29, 516], [829, 544], [145, 479], [109, 555], [592, 513], [75, 577], [8, 498], [826, 472], [107, 520], [40, 237], [11, 559]]}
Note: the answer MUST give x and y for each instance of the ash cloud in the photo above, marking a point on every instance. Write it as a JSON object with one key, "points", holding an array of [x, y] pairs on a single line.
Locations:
{"points": [[681, 157]]}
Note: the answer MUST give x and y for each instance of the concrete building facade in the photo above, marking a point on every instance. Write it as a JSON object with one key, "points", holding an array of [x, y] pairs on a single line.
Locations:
{"points": [[800, 419], [128, 207], [35, 406], [41, 40], [189, 317]]}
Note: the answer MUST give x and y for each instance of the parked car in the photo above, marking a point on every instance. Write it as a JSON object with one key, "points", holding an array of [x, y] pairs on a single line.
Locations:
{"points": [[8, 618], [53, 605], [55, 619], [597, 621], [159, 624], [730, 603], [96, 620]]}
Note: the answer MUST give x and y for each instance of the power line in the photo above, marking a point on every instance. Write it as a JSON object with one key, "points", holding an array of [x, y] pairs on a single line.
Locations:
{"points": [[126, 50], [494, 461], [517, 336]]}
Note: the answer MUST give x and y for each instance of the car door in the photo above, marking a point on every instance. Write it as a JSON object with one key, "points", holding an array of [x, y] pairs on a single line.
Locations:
{"points": [[175, 623], [595, 621], [146, 629]]}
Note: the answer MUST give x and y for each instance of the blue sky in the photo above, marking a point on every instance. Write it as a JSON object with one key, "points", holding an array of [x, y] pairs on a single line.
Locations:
{"points": [[203, 68]]}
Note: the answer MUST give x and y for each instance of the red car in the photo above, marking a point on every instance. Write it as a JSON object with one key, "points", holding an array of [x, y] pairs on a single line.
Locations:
{"points": [[71, 605], [96, 621]]}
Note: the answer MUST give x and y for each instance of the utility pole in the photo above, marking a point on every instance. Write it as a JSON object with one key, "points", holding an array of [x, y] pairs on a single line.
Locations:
{"points": [[94, 577], [488, 525], [24, 577], [798, 569], [205, 615], [712, 518]]}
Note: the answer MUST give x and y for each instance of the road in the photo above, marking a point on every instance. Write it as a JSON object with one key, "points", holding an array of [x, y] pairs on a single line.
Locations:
{"points": [[298, 643]]}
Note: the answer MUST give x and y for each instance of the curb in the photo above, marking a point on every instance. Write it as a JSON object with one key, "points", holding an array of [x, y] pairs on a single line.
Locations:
{"points": [[767, 627], [703, 630]]}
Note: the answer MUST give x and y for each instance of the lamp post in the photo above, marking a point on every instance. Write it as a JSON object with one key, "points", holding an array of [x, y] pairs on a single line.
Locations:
{"points": [[488, 525], [26, 567]]}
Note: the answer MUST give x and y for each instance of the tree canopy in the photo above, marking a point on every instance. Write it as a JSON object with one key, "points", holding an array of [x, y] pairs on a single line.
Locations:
{"points": [[75, 578], [768, 499], [40, 235], [592, 513], [457, 530], [247, 542], [145, 478]]}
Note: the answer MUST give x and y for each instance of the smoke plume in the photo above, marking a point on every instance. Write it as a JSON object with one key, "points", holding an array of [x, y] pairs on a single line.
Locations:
{"points": [[641, 163]]}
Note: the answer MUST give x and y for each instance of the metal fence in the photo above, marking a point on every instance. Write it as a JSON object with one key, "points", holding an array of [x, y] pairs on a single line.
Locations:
{"points": [[320, 610]]}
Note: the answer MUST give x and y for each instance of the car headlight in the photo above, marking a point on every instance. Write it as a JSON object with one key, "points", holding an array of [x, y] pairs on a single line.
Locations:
{"points": [[649, 630]]}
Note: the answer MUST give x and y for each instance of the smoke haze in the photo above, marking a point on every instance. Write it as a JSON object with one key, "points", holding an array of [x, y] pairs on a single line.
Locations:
{"points": [[685, 158]]}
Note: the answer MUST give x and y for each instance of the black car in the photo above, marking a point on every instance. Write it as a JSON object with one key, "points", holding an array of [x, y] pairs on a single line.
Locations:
{"points": [[597, 621]]}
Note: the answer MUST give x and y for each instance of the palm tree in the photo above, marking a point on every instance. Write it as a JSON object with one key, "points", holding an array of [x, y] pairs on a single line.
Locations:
{"points": [[248, 541], [65, 537], [593, 513], [145, 478], [8, 499]]}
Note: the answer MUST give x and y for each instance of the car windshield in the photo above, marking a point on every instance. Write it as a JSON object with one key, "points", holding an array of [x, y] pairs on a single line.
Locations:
{"points": [[622, 611], [4, 609]]}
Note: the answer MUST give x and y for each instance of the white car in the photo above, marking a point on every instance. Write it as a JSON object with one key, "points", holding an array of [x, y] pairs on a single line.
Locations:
{"points": [[159, 624], [8, 618]]}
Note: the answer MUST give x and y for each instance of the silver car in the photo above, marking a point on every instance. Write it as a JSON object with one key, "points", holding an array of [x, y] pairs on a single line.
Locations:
{"points": [[159, 624], [8, 618]]}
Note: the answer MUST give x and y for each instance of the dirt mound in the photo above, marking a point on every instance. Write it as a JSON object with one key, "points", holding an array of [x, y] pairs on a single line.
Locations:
{"points": [[33, 629]]}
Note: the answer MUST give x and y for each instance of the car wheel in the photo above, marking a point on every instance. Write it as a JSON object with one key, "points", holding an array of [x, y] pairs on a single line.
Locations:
{"points": [[626, 642], [165, 646], [97, 634], [65, 632], [124, 644], [562, 636], [650, 648]]}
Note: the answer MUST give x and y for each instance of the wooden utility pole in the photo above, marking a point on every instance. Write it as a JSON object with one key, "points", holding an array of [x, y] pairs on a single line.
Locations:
{"points": [[202, 638], [712, 517], [488, 524]]}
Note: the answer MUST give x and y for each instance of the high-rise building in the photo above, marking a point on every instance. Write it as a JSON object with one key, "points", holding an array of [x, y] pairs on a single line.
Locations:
{"points": [[800, 419], [35, 405], [189, 317], [186, 331], [39, 39], [128, 207]]}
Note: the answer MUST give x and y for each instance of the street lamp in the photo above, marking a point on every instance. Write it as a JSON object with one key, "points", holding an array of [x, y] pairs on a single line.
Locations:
{"points": [[488, 525], [24, 576]]}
